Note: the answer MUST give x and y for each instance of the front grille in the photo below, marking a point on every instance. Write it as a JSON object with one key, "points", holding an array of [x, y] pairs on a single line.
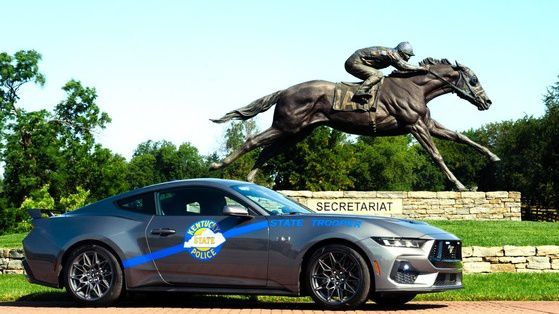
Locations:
{"points": [[446, 254], [446, 280], [406, 278]]}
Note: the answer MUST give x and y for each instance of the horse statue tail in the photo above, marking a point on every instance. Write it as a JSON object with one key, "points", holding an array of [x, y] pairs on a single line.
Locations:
{"points": [[252, 109]]}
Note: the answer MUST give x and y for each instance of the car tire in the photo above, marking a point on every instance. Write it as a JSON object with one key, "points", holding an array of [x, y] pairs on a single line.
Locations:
{"points": [[392, 299], [337, 277], [93, 276]]}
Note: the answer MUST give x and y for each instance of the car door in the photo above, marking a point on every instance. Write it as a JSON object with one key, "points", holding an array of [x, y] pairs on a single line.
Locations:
{"points": [[194, 244]]}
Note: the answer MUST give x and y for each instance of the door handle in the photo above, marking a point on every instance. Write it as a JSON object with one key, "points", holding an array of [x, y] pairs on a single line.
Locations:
{"points": [[163, 231]]}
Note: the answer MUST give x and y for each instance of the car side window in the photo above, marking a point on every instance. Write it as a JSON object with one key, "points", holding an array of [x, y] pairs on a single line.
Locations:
{"points": [[193, 201], [142, 204]]}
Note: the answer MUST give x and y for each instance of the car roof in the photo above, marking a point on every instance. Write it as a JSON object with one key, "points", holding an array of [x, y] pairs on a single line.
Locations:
{"points": [[209, 182], [214, 182]]}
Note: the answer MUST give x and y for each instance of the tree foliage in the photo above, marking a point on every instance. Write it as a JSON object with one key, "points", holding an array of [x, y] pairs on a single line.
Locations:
{"points": [[155, 162]]}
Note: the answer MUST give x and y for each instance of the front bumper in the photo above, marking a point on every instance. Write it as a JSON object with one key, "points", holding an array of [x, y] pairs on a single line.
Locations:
{"points": [[410, 269]]}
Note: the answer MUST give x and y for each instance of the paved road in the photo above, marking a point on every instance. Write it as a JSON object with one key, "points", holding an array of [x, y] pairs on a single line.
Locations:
{"points": [[276, 308]]}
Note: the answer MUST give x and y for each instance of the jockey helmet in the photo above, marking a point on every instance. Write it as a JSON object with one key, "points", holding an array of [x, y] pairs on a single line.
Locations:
{"points": [[405, 48]]}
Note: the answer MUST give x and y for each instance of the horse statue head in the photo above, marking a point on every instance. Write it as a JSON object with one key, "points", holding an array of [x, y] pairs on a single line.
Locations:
{"points": [[461, 79]]}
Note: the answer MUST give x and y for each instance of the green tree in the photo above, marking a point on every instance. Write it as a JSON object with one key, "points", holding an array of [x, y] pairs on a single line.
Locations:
{"points": [[321, 161], [384, 163], [76, 200], [155, 162], [54, 149]]}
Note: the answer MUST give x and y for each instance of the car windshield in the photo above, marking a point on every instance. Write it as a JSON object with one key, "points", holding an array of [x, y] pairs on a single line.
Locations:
{"points": [[272, 202]]}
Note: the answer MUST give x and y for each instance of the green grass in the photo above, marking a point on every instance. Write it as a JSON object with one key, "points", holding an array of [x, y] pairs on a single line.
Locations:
{"points": [[497, 233], [12, 241], [500, 286]]}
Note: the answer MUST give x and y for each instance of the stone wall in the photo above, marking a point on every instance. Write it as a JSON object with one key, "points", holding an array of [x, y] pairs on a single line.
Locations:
{"points": [[445, 205], [511, 259], [10, 261]]}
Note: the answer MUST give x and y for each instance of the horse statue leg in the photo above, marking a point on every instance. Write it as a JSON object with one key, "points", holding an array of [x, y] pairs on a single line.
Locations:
{"points": [[437, 130], [265, 155], [420, 131], [276, 147], [256, 141]]}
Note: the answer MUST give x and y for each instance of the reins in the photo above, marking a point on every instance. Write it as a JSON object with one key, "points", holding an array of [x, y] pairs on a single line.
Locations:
{"points": [[457, 89]]}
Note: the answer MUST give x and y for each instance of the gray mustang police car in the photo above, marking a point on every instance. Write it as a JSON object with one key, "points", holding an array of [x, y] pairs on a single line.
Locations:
{"points": [[232, 237]]}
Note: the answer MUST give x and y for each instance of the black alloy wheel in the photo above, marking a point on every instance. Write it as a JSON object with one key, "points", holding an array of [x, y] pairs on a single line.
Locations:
{"points": [[337, 277], [92, 276]]}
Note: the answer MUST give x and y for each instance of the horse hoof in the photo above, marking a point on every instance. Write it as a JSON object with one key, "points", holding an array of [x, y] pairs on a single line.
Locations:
{"points": [[215, 165], [495, 158]]}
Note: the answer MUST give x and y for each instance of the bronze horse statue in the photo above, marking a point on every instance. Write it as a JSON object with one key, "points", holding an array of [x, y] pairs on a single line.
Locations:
{"points": [[401, 109]]}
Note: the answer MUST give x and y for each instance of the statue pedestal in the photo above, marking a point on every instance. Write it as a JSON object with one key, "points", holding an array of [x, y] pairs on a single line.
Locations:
{"points": [[445, 205]]}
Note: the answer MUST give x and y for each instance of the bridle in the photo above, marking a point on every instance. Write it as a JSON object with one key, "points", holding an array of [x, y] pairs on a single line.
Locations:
{"points": [[471, 96]]}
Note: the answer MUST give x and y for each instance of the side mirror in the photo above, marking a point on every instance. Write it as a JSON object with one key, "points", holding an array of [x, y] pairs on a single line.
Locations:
{"points": [[235, 210]]}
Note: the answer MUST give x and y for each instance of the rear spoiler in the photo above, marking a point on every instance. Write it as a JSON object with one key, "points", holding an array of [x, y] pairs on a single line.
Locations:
{"points": [[35, 213]]}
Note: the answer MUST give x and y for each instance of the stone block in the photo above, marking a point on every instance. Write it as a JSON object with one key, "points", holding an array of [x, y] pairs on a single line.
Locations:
{"points": [[520, 266], [422, 194], [538, 262], [14, 271], [519, 250], [15, 264], [290, 193], [491, 259], [467, 251], [448, 194], [496, 217], [360, 194], [515, 195], [526, 270], [5, 253], [473, 195], [477, 267], [472, 259], [447, 202], [545, 250], [391, 194], [487, 251], [513, 260], [328, 194], [497, 194], [555, 264], [479, 210], [16, 253], [503, 268]]}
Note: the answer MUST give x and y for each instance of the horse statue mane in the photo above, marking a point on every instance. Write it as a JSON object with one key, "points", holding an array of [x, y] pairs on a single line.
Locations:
{"points": [[424, 62]]}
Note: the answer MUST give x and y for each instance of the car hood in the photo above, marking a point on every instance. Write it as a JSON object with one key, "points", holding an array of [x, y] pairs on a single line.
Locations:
{"points": [[390, 227]]}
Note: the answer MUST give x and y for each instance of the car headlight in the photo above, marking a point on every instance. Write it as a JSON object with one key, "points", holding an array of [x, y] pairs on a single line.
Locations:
{"points": [[400, 242]]}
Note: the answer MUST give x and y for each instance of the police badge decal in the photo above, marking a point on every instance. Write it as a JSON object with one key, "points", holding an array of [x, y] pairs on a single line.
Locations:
{"points": [[203, 240]]}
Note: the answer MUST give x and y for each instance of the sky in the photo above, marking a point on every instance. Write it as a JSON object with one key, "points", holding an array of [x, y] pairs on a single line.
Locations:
{"points": [[162, 69]]}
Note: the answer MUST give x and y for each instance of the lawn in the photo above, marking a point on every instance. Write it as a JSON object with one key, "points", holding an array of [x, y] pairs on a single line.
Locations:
{"points": [[497, 233], [12, 241], [500, 286], [472, 232]]}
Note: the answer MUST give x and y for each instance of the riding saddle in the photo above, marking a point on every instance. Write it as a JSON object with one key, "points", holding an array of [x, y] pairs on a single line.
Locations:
{"points": [[343, 97]]}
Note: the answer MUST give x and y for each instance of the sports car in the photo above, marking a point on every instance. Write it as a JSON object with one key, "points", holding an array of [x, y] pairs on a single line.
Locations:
{"points": [[232, 237]]}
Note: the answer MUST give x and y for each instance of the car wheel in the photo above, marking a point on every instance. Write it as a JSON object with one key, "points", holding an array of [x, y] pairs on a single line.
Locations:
{"points": [[392, 299], [92, 276], [337, 277]]}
